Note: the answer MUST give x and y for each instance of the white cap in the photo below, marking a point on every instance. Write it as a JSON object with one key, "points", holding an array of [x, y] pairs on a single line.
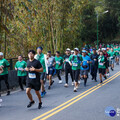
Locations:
{"points": [[68, 49], [103, 48], [72, 51], [76, 49], [1, 53]]}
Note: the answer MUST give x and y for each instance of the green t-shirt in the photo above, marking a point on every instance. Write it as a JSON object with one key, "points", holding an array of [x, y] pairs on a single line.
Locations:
{"points": [[111, 55], [41, 58], [5, 63], [58, 60], [76, 61], [101, 60], [21, 65], [116, 51]]}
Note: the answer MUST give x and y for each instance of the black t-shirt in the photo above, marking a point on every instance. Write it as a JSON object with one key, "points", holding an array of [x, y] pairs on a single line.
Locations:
{"points": [[33, 76], [67, 65]]}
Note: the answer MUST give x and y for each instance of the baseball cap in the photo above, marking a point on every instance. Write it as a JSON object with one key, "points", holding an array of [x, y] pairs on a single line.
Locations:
{"points": [[84, 51], [76, 49], [40, 48], [68, 49]]}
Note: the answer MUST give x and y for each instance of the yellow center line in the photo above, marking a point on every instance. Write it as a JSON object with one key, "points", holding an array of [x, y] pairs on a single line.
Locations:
{"points": [[77, 99], [73, 98]]}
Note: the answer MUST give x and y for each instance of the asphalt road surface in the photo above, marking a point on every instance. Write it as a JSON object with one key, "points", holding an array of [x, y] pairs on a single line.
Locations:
{"points": [[93, 102]]}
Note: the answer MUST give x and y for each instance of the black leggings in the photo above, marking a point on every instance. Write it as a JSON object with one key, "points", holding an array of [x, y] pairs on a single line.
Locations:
{"points": [[5, 78], [66, 74], [58, 74], [76, 74], [94, 71], [22, 80]]}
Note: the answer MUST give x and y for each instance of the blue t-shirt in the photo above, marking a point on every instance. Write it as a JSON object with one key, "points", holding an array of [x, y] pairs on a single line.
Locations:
{"points": [[85, 59]]}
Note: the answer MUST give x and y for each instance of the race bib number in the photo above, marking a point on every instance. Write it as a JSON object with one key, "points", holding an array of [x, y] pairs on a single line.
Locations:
{"points": [[57, 62], [101, 64], [49, 63], [20, 69], [32, 75], [67, 60], [75, 64]]}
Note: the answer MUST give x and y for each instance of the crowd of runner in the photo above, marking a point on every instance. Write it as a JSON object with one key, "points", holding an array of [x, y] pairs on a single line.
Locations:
{"points": [[79, 63]]}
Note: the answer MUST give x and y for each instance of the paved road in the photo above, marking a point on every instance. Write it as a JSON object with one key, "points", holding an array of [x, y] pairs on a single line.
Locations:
{"points": [[87, 104]]}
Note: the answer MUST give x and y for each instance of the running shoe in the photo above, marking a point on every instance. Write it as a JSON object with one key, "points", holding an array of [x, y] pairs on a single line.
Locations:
{"points": [[60, 81], [30, 104], [39, 105], [66, 85]]}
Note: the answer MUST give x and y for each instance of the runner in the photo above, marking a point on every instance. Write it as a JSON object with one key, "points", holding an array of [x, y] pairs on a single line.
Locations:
{"points": [[112, 58], [75, 61], [21, 73], [94, 65], [40, 56], [68, 68], [101, 65], [34, 67], [58, 65], [107, 62], [4, 75], [85, 66], [50, 64], [117, 55]]}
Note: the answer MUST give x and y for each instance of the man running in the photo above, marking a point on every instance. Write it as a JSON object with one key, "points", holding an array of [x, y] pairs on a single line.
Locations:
{"points": [[50, 64], [21, 73], [94, 65], [101, 65], [4, 64], [107, 62], [34, 67], [58, 65], [68, 68], [75, 61], [40, 56], [85, 66], [112, 58]]}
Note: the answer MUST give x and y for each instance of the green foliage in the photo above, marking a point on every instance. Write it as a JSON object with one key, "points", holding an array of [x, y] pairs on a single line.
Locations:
{"points": [[55, 24]]}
